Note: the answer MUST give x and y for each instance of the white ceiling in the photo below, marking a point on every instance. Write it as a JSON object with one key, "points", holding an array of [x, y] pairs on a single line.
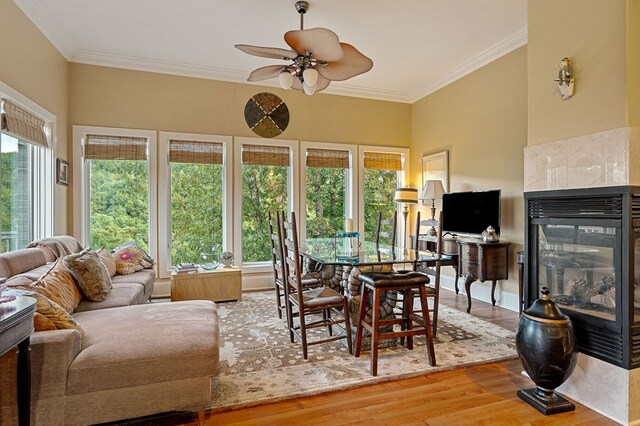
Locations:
{"points": [[417, 46]]}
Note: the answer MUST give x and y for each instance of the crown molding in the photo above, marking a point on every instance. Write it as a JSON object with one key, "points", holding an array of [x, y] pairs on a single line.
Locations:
{"points": [[211, 73], [37, 14], [508, 45]]}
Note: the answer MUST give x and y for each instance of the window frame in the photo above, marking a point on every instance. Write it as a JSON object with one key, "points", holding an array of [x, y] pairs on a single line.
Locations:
{"points": [[351, 205], [401, 182], [81, 185], [164, 193], [292, 196], [45, 204]]}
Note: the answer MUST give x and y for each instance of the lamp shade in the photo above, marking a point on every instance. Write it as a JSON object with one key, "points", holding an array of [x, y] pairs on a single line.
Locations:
{"points": [[432, 190], [286, 79], [406, 195]]}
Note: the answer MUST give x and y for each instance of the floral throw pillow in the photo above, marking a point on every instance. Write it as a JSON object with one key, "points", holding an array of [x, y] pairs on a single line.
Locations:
{"points": [[129, 258]]}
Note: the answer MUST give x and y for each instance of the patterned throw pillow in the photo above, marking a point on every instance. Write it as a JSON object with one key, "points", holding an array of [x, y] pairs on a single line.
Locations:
{"points": [[49, 315], [57, 285], [129, 258], [107, 261], [90, 274]]}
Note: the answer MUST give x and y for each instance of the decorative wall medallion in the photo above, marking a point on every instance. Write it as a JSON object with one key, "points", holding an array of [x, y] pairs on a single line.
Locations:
{"points": [[266, 114]]}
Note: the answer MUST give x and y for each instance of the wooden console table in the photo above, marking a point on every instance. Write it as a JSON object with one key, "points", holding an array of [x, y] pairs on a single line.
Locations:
{"points": [[219, 285], [16, 325], [482, 261]]}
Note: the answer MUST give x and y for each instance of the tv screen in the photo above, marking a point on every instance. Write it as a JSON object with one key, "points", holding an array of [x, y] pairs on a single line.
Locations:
{"points": [[471, 212]]}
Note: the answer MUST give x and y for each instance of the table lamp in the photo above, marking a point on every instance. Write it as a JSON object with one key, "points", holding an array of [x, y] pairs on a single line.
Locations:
{"points": [[406, 196], [432, 190]]}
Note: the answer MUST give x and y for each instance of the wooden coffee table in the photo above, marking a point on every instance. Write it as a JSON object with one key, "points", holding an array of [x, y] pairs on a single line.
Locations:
{"points": [[219, 285]]}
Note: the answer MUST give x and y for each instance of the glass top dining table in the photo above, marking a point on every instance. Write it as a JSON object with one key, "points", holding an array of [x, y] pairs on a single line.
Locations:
{"points": [[331, 251]]}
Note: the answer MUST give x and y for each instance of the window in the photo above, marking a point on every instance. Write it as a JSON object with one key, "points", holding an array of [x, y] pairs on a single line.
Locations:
{"points": [[117, 180], [26, 173], [265, 180], [194, 190], [382, 172], [327, 187]]}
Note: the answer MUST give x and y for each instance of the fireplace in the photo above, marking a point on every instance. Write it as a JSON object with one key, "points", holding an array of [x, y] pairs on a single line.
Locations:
{"points": [[584, 245]]}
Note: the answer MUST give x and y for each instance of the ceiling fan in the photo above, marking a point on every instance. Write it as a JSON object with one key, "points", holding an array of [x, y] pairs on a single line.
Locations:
{"points": [[317, 58]]}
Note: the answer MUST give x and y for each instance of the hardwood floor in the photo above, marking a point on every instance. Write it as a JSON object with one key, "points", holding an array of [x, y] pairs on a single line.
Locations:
{"points": [[478, 395]]}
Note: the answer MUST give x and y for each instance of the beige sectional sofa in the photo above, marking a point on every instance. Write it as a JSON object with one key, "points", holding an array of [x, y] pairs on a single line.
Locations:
{"points": [[137, 358]]}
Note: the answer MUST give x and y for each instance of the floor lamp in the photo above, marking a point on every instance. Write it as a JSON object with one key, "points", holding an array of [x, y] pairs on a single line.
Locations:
{"points": [[406, 196], [432, 191]]}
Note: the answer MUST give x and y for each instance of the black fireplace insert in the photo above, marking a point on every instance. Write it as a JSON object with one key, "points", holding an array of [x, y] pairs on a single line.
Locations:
{"points": [[584, 245]]}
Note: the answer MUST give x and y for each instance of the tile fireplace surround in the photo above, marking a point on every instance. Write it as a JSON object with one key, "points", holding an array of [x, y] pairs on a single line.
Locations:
{"points": [[609, 158]]}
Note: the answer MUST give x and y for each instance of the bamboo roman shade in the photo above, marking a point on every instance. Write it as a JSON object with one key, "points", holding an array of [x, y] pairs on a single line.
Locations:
{"points": [[21, 124], [181, 151], [330, 158], [383, 161], [105, 147], [264, 155]]}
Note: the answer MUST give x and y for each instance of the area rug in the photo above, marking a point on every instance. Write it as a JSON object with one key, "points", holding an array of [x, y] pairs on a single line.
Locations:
{"points": [[259, 364]]}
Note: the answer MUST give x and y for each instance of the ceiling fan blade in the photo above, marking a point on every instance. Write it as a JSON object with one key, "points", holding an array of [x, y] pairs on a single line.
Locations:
{"points": [[265, 73], [267, 52], [323, 43], [352, 63]]}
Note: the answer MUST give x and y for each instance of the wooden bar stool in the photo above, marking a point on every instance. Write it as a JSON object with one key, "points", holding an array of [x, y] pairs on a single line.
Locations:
{"points": [[394, 281]]}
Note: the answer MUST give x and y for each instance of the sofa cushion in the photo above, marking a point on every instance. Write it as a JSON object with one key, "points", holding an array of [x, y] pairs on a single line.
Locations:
{"points": [[107, 260], [146, 277], [58, 285], [19, 261], [57, 246], [129, 258], [122, 294], [90, 274], [142, 344], [53, 316]]}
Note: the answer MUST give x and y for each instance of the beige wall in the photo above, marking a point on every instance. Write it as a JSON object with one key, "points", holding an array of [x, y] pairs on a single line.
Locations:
{"points": [[132, 99], [633, 61], [34, 68], [592, 34], [481, 120]]}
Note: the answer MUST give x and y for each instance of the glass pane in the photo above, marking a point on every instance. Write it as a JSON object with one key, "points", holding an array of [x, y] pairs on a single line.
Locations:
{"points": [[264, 189], [196, 210], [325, 201], [577, 264], [16, 213], [118, 203], [379, 189]]}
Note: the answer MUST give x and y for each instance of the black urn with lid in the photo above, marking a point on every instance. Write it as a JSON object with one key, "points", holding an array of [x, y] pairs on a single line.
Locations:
{"points": [[546, 345]]}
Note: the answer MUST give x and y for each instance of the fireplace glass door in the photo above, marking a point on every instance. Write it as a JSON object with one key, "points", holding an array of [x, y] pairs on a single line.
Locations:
{"points": [[580, 267]]}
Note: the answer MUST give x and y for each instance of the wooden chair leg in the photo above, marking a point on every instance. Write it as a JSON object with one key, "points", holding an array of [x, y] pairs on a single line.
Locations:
{"points": [[427, 325], [409, 314], [361, 318], [289, 309], [303, 333], [375, 332], [279, 301]]}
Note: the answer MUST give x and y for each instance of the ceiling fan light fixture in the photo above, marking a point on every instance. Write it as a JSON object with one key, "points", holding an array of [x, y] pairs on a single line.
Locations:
{"points": [[308, 89], [286, 79], [310, 76], [317, 58]]}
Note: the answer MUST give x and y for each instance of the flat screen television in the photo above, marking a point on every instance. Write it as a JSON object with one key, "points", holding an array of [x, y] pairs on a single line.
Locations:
{"points": [[471, 212]]}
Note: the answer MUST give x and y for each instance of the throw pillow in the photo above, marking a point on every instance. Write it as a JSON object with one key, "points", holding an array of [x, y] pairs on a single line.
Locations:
{"points": [[90, 274], [107, 261], [49, 315], [129, 258], [57, 285]]}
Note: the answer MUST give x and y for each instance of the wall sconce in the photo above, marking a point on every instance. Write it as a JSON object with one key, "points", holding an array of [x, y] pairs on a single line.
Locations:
{"points": [[565, 79]]}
